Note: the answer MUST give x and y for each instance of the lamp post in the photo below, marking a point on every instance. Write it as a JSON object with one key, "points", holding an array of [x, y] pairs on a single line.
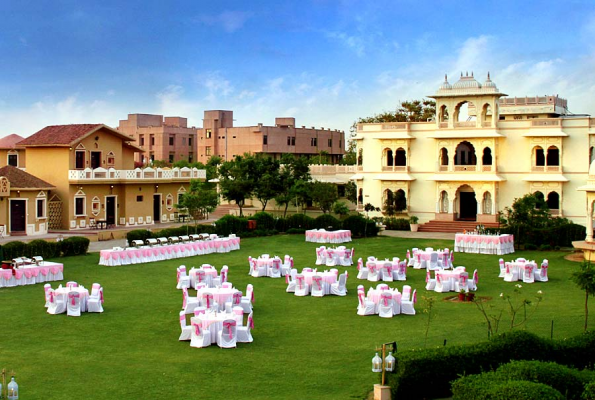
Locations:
{"points": [[10, 391], [386, 363]]}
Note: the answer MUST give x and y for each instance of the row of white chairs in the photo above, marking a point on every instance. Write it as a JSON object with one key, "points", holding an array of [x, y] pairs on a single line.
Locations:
{"points": [[443, 285], [524, 270], [206, 299], [71, 301], [296, 284], [382, 270], [340, 256], [386, 302], [233, 331]]}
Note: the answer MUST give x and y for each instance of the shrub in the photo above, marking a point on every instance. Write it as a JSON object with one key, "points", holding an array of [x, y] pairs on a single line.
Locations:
{"points": [[492, 385], [545, 247], [229, 224], [40, 247], [589, 392], [138, 234], [295, 231], [74, 246], [281, 224], [327, 221], [264, 221], [360, 226], [530, 246], [397, 224], [300, 221], [13, 249]]}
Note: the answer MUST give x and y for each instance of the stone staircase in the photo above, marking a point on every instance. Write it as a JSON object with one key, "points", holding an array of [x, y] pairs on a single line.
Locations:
{"points": [[221, 210], [453, 226]]}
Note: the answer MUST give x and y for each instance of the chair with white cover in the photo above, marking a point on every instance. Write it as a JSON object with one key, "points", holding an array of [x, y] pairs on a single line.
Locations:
{"points": [[244, 332], [183, 278], [275, 270], [208, 301], [73, 305], [321, 255], [71, 284], [222, 278], [185, 334], [406, 292], [317, 289], [301, 287], [261, 268], [442, 285], [432, 263], [410, 260], [430, 283], [402, 271], [541, 273], [188, 303], [362, 272], [287, 265], [338, 288], [227, 336], [511, 273], [528, 275], [199, 337], [387, 270], [46, 288], [95, 302], [502, 268], [408, 306], [252, 264], [373, 275], [365, 306], [472, 283], [385, 306], [290, 280], [248, 300], [462, 283], [57, 304]]}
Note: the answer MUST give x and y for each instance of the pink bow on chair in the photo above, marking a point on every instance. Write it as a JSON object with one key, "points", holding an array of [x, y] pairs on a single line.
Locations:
{"points": [[428, 277], [251, 322], [287, 279], [72, 297], [228, 325], [361, 296], [101, 295], [51, 297], [197, 329], [237, 298], [223, 276], [300, 281], [317, 280], [209, 298], [178, 276]]}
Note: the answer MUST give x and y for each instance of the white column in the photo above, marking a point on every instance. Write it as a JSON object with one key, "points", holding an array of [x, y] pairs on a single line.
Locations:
{"points": [[589, 237]]}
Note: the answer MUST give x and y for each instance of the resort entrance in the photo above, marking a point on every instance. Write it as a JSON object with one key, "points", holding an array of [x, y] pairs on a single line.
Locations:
{"points": [[156, 208], [467, 203], [18, 218]]}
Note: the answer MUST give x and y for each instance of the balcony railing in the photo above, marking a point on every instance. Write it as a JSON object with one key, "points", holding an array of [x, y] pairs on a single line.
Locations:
{"points": [[443, 124], [395, 168], [469, 168], [466, 124], [332, 169], [546, 122], [395, 126], [545, 168], [136, 174]]}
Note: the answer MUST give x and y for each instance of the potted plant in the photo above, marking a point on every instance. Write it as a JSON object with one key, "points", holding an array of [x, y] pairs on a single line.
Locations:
{"points": [[413, 223], [470, 296], [462, 295]]}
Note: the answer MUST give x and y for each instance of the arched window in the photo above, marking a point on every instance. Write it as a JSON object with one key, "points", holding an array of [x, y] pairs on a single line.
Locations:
{"points": [[591, 155], [462, 112], [443, 156], [553, 201], [360, 157], [487, 203], [553, 156], [443, 114], [400, 200], [360, 196], [540, 199], [389, 158], [539, 156], [487, 156], [486, 113], [443, 201], [389, 203], [465, 154], [401, 157]]}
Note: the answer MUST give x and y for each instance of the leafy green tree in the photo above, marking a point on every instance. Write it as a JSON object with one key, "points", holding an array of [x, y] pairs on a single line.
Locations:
{"points": [[408, 111], [267, 184], [237, 180], [585, 280], [527, 213], [324, 194], [293, 175], [350, 157], [351, 191], [389, 204], [340, 208], [201, 199]]}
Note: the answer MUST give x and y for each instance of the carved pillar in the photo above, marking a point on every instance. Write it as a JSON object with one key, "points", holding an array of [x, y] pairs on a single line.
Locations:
{"points": [[589, 219]]}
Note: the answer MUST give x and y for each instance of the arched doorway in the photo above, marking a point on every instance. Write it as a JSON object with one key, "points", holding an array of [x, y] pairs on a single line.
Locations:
{"points": [[467, 203]]}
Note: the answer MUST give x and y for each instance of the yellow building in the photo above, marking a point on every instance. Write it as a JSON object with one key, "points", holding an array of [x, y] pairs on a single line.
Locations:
{"points": [[481, 152], [92, 169]]}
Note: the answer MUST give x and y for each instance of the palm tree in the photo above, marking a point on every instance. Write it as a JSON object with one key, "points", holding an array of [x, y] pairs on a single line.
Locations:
{"points": [[585, 279]]}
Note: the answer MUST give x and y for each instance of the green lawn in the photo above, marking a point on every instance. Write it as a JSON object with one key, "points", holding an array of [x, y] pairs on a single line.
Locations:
{"points": [[304, 348]]}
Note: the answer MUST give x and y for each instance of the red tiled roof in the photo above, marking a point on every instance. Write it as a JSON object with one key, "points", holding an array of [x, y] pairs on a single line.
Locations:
{"points": [[9, 141], [20, 179], [59, 134]]}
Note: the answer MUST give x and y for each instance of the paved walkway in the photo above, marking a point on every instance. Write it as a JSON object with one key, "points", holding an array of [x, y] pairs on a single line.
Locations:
{"points": [[419, 235]]}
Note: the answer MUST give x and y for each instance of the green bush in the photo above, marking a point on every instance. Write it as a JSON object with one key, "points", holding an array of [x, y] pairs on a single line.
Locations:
{"points": [[264, 221], [138, 234], [589, 392], [300, 221], [295, 230], [360, 226], [74, 246], [492, 385], [13, 249], [327, 221], [397, 224], [40, 247], [545, 247], [530, 246], [281, 224], [229, 224], [422, 374]]}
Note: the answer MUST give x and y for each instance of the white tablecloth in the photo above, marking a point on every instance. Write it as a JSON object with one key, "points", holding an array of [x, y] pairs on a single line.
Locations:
{"points": [[62, 292], [145, 254], [484, 244], [220, 295], [323, 236], [213, 322], [47, 271], [333, 256]]}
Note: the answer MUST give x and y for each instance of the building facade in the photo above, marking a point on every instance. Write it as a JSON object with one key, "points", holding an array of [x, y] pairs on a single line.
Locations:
{"points": [[167, 139], [91, 168], [219, 137], [482, 151]]}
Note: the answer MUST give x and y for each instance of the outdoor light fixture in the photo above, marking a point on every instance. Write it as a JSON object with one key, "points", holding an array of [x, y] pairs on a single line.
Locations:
{"points": [[10, 391], [377, 364], [384, 363]]}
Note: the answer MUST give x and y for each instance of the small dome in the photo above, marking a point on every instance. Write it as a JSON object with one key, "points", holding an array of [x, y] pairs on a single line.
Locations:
{"points": [[445, 85], [467, 82], [488, 83]]}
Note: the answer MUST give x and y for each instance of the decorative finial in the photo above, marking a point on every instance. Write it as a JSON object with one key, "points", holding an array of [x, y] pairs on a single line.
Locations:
{"points": [[466, 74], [471, 74], [445, 78], [461, 74], [488, 75]]}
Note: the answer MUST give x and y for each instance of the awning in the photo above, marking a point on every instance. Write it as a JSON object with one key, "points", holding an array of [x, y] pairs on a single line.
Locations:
{"points": [[545, 178], [545, 133], [467, 177], [394, 177]]}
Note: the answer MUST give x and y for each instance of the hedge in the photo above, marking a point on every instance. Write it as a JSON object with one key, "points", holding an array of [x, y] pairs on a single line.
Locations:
{"points": [[561, 235], [427, 373], [74, 245], [490, 385], [327, 221], [396, 224]]}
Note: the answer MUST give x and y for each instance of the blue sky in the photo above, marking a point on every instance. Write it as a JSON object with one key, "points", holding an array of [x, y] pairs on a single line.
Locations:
{"points": [[324, 62]]}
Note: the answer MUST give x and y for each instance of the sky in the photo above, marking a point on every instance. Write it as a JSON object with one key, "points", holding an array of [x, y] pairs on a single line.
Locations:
{"points": [[326, 63]]}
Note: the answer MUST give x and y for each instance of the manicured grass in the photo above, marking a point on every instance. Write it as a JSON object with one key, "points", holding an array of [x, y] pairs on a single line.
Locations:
{"points": [[304, 348]]}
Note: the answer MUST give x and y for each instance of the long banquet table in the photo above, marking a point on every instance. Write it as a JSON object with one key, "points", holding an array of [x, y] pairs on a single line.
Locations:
{"points": [[143, 254], [323, 236], [46, 271], [484, 244]]}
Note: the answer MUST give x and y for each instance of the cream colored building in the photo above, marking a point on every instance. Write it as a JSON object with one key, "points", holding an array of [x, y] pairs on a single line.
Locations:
{"points": [[481, 152]]}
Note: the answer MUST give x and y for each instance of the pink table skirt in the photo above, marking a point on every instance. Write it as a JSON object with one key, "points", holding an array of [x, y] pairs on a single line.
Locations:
{"points": [[31, 274], [484, 244], [145, 254], [322, 236]]}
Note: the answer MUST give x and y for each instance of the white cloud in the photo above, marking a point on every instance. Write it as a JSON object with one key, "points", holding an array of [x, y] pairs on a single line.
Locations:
{"points": [[352, 42], [230, 21]]}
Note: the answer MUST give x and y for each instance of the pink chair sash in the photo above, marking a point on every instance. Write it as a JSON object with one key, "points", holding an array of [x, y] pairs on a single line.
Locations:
{"points": [[415, 297], [287, 279], [475, 277], [361, 296], [228, 325], [300, 281], [209, 299], [223, 276], [182, 319], [51, 293], [237, 297], [360, 264], [197, 329], [428, 276], [252, 297], [372, 267], [251, 322], [317, 280], [385, 298], [408, 254], [184, 296], [72, 297], [101, 295], [178, 275], [438, 277]]}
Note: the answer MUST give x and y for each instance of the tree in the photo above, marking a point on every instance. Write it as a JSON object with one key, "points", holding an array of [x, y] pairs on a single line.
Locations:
{"points": [[400, 201], [527, 213], [351, 191], [201, 199], [340, 209], [293, 174], [237, 179], [585, 280], [408, 111], [350, 158], [267, 184], [389, 204], [324, 194]]}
